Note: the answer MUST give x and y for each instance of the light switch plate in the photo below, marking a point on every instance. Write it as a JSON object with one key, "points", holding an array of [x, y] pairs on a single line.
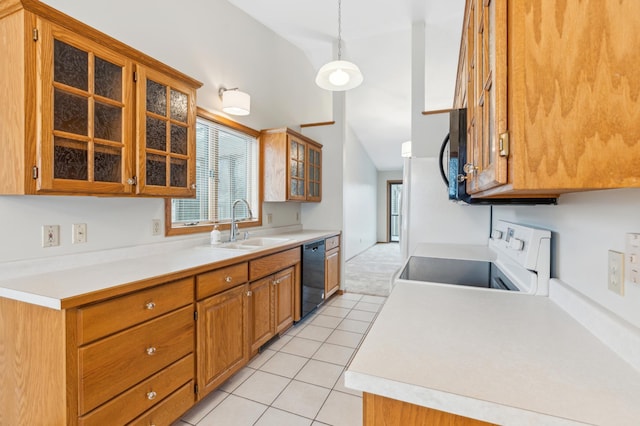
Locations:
{"points": [[50, 235], [616, 272], [156, 227], [632, 258]]}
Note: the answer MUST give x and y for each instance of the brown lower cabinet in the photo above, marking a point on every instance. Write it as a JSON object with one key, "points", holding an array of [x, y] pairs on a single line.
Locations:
{"points": [[147, 356]]}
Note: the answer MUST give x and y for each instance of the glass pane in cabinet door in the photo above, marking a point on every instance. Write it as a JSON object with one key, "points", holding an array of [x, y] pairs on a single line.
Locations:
{"points": [[70, 160], [156, 98], [178, 173], [107, 79], [301, 188], [70, 65], [156, 170], [70, 112], [179, 106], [300, 152], [301, 170], [107, 122], [178, 139], [294, 168], [107, 164], [294, 187], [294, 150], [156, 134]]}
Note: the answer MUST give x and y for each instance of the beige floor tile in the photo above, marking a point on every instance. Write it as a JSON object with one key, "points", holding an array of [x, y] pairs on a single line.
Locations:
{"points": [[262, 387], [314, 332], [302, 399], [373, 299], [261, 358], [235, 411], [339, 386], [361, 315], [275, 417], [325, 321], [320, 373], [277, 344], [354, 325], [341, 409], [204, 407], [340, 302], [369, 307], [345, 338], [335, 311], [334, 354], [351, 296], [283, 364], [236, 380], [301, 347]]}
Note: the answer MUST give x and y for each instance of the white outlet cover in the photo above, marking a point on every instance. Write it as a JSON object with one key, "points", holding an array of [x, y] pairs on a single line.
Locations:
{"points": [[79, 233], [50, 235], [615, 272], [632, 258], [156, 227]]}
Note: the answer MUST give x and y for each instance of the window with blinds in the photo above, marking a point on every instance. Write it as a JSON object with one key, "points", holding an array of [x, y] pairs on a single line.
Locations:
{"points": [[226, 171]]}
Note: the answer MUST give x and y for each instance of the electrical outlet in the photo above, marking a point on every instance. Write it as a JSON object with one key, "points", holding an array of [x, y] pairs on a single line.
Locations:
{"points": [[269, 218], [79, 233], [616, 272], [297, 216], [156, 227], [50, 235], [632, 258]]}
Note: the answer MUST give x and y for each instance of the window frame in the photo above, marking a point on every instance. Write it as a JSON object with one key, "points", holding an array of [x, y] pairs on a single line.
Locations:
{"points": [[171, 228]]}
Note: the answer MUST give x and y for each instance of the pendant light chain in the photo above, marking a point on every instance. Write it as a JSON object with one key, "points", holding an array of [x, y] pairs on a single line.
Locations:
{"points": [[339, 29]]}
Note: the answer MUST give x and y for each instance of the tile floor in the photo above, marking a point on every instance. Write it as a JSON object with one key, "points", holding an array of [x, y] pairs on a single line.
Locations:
{"points": [[299, 378]]}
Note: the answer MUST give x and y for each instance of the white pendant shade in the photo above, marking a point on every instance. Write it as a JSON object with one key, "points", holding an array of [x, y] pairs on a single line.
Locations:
{"points": [[339, 75], [236, 102]]}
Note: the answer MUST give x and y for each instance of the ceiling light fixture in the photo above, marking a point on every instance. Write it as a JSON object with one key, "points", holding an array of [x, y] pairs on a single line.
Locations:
{"points": [[339, 75], [234, 101]]}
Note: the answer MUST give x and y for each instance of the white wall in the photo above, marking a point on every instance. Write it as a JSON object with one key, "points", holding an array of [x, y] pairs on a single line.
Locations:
{"points": [[383, 221], [360, 198], [585, 226], [209, 40]]}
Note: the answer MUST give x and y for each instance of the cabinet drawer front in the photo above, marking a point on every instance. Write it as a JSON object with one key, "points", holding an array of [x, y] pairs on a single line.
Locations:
{"points": [[114, 364], [168, 410], [142, 397], [332, 242], [273, 263], [221, 279], [102, 319]]}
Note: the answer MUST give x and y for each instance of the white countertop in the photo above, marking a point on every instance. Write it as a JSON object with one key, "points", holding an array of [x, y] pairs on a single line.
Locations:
{"points": [[51, 289], [501, 357]]}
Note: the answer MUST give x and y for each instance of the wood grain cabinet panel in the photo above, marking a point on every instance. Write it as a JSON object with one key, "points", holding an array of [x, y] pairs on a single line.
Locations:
{"points": [[111, 365], [169, 410], [541, 123], [223, 342], [261, 313], [332, 272], [80, 121], [221, 279], [292, 166], [283, 287]]}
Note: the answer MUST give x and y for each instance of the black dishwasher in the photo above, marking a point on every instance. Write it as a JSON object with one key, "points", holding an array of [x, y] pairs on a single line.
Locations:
{"points": [[312, 276]]}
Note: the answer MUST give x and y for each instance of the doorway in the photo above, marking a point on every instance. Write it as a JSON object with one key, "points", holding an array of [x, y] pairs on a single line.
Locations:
{"points": [[394, 197]]}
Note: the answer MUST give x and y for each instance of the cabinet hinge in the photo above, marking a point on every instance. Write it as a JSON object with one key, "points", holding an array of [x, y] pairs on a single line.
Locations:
{"points": [[35, 34], [195, 316], [135, 76], [195, 388], [34, 172], [503, 144]]}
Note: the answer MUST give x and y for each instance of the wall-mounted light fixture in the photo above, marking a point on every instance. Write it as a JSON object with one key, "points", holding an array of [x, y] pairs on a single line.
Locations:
{"points": [[234, 101], [406, 149]]}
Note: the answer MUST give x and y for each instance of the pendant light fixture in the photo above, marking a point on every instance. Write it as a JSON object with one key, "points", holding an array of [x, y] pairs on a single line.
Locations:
{"points": [[339, 75]]}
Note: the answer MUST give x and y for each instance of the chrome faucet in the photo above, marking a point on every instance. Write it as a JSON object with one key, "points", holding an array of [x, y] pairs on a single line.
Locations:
{"points": [[234, 226]]}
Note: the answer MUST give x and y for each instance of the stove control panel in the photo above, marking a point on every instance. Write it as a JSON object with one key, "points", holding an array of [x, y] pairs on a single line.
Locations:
{"points": [[526, 245]]}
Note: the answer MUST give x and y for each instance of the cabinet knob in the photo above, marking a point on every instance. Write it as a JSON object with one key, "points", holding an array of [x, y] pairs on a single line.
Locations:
{"points": [[150, 305], [249, 293], [469, 168], [131, 181], [193, 186], [151, 395], [151, 350], [228, 278]]}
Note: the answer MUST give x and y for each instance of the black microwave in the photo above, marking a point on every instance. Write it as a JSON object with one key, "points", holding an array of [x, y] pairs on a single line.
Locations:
{"points": [[453, 157]]}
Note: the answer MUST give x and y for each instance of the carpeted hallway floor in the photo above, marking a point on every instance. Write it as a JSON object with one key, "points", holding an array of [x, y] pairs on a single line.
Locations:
{"points": [[370, 272]]}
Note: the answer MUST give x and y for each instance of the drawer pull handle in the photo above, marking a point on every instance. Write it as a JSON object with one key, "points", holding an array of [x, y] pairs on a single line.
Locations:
{"points": [[249, 293], [151, 395], [228, 279], [150, 306], [151, 350]]}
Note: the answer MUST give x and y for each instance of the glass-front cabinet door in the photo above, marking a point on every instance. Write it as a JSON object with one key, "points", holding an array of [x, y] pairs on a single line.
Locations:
{"points": [[86, 134], [297, 169], [166, 137], [314, 168]]}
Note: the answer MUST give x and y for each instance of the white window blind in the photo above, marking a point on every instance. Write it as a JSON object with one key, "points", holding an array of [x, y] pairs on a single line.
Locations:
{"points": [[226, 170]]}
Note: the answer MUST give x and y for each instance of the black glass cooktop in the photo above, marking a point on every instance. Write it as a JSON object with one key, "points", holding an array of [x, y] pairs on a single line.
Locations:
{"points": [[457, 272]]}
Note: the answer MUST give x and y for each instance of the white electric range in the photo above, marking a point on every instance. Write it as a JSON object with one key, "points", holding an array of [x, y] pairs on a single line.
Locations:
{"points": [[516, 258]]}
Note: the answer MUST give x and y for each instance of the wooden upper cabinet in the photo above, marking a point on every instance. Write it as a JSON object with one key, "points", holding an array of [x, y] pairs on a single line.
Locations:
{"points": [[74, 118], [552, 96], [292, 166]]}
